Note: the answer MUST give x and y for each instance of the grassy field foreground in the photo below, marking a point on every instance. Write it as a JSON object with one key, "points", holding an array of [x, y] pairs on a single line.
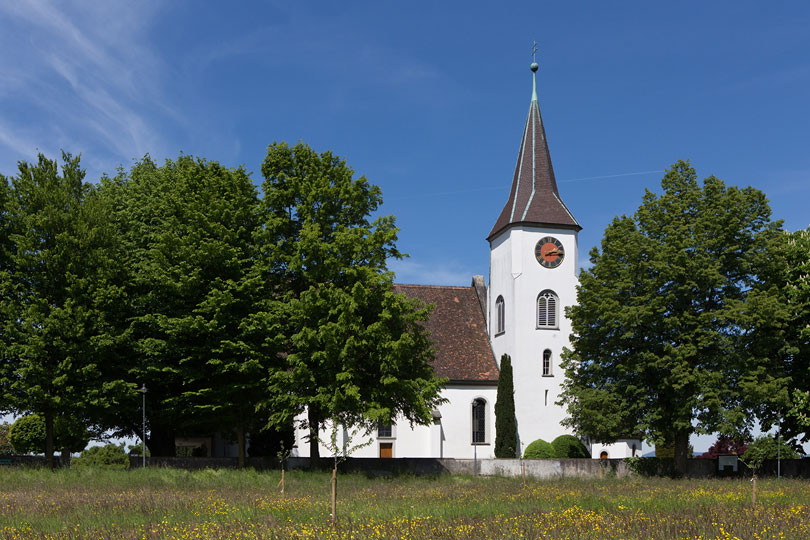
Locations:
{"points": [[165, 503]]}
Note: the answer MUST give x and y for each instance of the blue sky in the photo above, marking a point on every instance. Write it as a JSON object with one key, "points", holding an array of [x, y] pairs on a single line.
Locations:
{"points": [[427, 99]]}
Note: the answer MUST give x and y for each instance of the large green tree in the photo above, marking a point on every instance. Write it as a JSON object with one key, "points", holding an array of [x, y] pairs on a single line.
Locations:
{"points": [[665, 331], [188, 231], [56, 290], [794, 271], [505, 421], [355, 352]]}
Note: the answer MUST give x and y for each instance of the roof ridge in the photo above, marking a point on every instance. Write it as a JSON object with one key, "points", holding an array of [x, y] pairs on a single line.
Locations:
{"points": [[434, 286]]}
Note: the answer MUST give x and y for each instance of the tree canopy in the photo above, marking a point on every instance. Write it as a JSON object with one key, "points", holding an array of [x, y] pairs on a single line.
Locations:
{"points": [[355, 352], [56, 293], [237, 312], [665, 331], [187, 241]]}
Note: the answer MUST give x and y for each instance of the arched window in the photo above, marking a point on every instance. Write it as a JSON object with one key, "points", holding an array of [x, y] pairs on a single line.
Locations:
{"points": [[547, 305], [501, 315], [479, 421], [547, 363]]}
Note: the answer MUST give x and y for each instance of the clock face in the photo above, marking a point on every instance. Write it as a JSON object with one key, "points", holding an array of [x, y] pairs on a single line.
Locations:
{"points": [[549, 252]]}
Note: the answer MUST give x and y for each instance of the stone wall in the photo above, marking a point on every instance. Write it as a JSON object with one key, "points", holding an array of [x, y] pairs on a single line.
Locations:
{"points": [[28, 461], [532, 468]]}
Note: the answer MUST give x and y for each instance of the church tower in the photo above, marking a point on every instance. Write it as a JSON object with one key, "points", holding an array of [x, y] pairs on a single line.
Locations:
{"points": [[532, 279]]}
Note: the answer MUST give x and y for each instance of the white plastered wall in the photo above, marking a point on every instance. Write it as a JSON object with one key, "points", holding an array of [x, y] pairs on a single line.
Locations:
{"points": [[516, 275], [623, 448], [450, 436]]}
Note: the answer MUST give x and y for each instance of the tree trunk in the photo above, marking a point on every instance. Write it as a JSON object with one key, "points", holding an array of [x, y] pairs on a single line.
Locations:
{"points": [[49, 439], [65, 457], [314, 451], [161, 442], [681, 451], [240, 439]]}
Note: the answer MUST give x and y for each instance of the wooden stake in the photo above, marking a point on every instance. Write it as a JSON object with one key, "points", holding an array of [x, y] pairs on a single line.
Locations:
{"points": [[754, 491], [281, 482], [334, 495]]}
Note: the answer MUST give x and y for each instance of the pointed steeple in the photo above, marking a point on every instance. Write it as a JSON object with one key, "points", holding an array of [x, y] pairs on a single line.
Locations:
{"points": [[534, 198]]}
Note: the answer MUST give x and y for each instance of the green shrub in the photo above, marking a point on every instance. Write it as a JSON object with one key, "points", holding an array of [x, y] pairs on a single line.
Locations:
{"points": [[137, 450], [109, 456], [568, 446], [27, 434], [539, 449]]}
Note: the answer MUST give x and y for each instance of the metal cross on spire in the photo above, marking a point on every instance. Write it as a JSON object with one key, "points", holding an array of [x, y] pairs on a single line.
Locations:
{"points": [[534, 67]]}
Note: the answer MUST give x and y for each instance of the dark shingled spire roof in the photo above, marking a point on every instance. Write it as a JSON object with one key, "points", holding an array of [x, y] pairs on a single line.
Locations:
{"points": [[534, 199]]}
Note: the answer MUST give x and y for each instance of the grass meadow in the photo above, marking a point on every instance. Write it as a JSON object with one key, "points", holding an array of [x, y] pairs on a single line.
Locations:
{"points": [[214, 504]]}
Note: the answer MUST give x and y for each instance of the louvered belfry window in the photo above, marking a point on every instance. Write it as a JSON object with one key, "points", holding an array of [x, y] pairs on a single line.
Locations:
{"points": [[547, 303]]}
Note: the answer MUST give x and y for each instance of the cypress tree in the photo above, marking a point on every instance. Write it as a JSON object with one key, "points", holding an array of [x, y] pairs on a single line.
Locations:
{"points": [[505, 424]]}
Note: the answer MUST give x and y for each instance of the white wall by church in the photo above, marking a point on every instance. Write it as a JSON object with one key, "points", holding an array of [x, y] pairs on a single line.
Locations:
{"points": [[449, 436], [623, 448]]}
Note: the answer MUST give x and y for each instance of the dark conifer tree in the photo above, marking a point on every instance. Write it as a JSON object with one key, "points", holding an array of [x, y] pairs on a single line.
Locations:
{"points": [[505, 423]]}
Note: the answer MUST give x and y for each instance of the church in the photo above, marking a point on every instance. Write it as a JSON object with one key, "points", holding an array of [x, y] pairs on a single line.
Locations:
{"points": [[533, 278]]}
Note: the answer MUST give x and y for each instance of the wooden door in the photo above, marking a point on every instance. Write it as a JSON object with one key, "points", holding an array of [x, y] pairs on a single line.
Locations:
{"points": [[386, 450]]}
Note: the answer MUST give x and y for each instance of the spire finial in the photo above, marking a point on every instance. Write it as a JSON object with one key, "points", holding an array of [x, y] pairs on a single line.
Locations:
{"points": [[534, 67]]}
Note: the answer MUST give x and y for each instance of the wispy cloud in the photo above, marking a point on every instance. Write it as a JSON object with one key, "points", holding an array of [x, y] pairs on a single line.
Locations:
{"points": [[82, 77]]}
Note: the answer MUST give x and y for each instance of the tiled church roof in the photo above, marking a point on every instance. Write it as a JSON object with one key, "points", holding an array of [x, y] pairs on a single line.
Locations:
{"points": [[459, 331], [534, 199]]}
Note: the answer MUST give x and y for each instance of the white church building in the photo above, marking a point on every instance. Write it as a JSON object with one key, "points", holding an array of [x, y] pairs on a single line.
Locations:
{"points": [[533, 277]]}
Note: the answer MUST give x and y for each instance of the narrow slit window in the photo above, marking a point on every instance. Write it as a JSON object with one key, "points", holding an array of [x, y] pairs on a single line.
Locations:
{"points": [[501, 315]]}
